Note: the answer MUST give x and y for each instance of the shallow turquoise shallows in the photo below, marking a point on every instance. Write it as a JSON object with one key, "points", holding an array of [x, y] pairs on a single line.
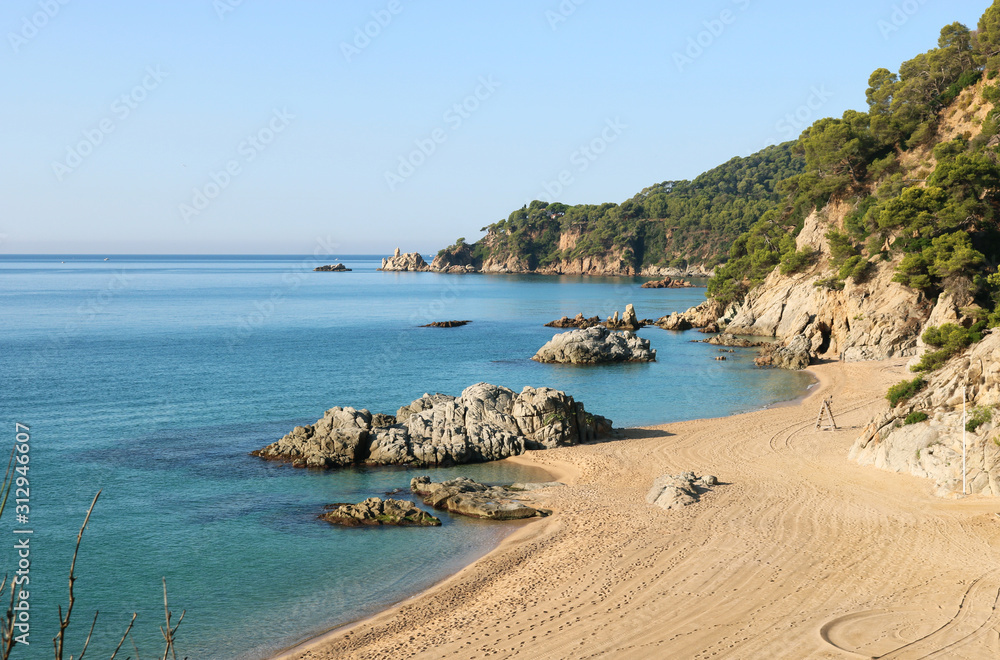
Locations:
{"points": [[153, 377]]}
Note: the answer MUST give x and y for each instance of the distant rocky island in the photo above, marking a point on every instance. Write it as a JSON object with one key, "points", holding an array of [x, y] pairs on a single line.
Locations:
{"points": [[332, 268], [485, 423]]}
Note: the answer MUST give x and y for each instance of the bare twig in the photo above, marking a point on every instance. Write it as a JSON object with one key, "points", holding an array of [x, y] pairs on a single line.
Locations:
{"points": [[59, 640], [127, 631], [89, 635], [169, 632], [8, 626], [131, 639]]}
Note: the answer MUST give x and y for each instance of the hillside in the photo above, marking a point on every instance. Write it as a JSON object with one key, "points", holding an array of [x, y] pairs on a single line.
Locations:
{"points": [[668, 228], [886, 246]]}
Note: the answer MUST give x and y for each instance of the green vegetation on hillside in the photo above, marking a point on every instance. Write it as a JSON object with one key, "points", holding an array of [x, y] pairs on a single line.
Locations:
{"points": [[670, 223], [940, 218]]}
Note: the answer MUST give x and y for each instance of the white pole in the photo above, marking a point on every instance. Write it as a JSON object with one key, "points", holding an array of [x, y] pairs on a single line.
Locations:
{"points": [[964, 387]]}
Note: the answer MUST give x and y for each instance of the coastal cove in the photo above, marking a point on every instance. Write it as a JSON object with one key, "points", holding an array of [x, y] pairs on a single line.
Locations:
{"points": [[154, 377]]}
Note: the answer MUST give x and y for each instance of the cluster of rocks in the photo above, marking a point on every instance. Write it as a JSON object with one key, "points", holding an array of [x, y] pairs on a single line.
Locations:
{"points": [[793, 354], [332, 268], [679, 490], [485, 423], [470, 498], [376, 511], [627, 321], [446, 324], [596, 345], [667, 283], [409, 262], [578, 321]]}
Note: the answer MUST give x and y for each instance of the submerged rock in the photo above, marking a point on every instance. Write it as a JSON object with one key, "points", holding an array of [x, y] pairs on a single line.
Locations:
{"points": [[470, 498], [485, 423], [376, 511], [595, 346], [679, 490]]}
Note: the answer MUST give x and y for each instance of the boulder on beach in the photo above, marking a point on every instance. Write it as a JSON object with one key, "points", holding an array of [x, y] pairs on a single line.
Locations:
{"points": [[485, 423], [674, 491], [376, 511], [595, 345], [470, 498]]}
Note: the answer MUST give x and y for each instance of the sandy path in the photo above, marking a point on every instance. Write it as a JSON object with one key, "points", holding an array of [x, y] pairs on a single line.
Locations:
{"points": [[799, 554]]}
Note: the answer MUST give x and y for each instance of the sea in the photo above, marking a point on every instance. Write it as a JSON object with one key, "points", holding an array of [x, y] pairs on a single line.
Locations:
{"points": [[150, 379]]}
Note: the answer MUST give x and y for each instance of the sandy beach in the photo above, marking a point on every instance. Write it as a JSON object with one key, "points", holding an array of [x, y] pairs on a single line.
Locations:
{"points": [[797, 554]]}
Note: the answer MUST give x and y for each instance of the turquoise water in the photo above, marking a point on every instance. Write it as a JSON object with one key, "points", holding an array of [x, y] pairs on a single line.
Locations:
{"points": [[153, 377]]}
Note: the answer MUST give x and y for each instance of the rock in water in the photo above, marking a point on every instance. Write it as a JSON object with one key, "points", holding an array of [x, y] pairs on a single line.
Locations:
{"points": [[666, 283], [446, 324], [376, 511], [679, 490], [411, 261], [485, 423], [332, 268], [469, 498], [578, 321], [595, 345]]}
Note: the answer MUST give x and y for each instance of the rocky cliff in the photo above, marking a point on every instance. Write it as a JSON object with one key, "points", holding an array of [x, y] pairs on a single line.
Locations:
{"points": [[902, 440], [873, 319]]}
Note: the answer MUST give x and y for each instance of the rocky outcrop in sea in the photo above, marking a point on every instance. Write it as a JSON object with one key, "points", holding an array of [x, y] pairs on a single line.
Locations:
{"points": [[332, 268], [667, 283], [596, 345], [446, 324], [485, 423], [410, 261], [470, 498], [376, 511]]}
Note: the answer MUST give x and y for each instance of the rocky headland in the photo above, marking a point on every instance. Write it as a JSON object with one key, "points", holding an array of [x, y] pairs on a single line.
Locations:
{"points": [[375, 511], [485, 423], [596, 345], [470, 498]]}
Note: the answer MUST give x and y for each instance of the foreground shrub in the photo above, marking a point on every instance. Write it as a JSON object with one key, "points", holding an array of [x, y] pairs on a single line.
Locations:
{"points": [[905, 390]]}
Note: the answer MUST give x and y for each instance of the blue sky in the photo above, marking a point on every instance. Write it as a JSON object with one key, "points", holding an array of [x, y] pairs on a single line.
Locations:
{"points": [[258, 126]]}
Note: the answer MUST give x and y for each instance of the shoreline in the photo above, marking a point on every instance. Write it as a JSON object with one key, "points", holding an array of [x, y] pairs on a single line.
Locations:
{"points": [[555, 473], [558, 471], [744, 573]]}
